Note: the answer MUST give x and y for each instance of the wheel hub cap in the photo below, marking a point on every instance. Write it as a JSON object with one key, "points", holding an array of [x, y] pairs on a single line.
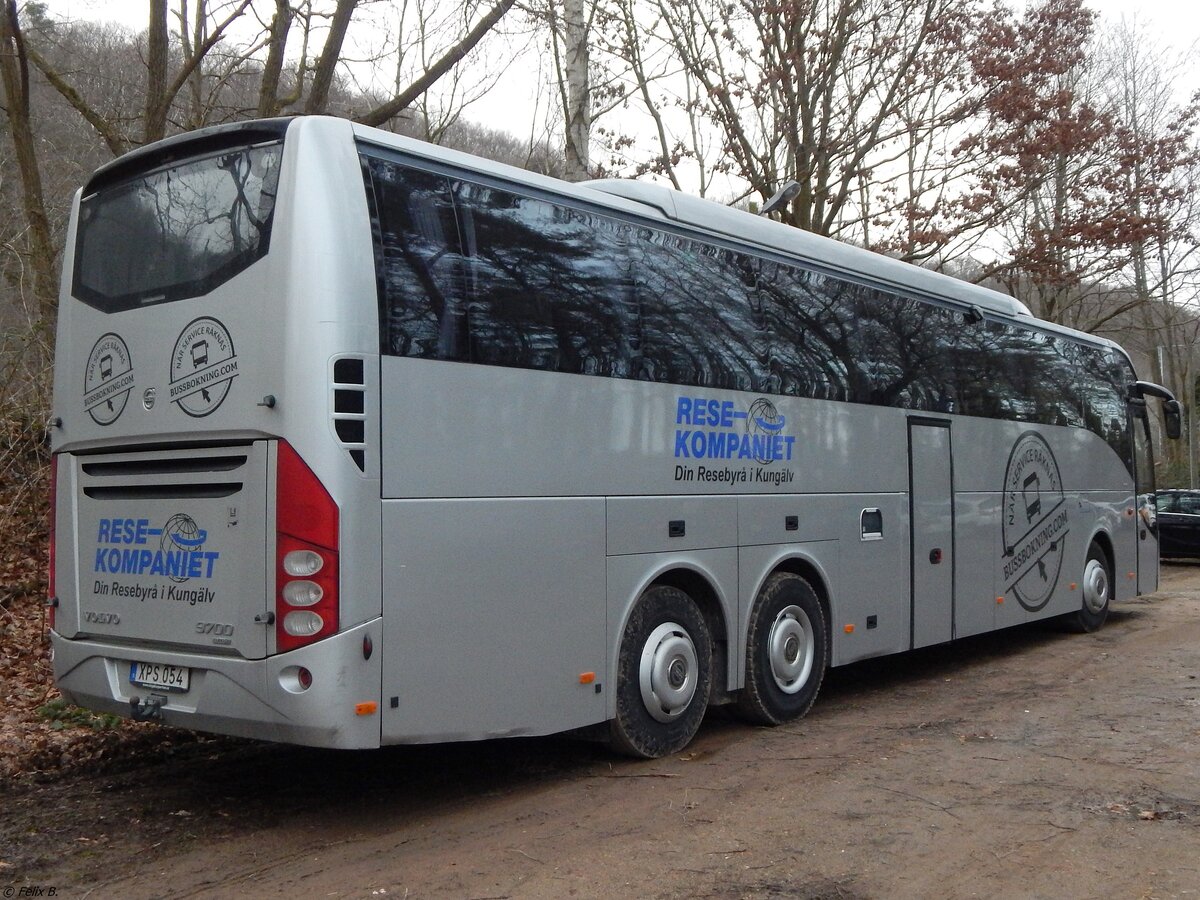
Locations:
{"points": [[667, 674], [790, 646], [1095, 585]]}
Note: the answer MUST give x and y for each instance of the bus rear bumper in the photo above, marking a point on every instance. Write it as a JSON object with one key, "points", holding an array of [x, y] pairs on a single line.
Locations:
{"points": [[254, 698]]}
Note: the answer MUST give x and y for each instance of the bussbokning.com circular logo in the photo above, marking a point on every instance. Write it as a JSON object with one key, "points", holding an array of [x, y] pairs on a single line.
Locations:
{"points": [[203, 366]]}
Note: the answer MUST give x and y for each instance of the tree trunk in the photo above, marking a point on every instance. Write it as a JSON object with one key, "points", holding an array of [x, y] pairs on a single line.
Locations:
{"points": [[578, 113], [268, 93], [156, 73], [318, 98], [14, 73]]}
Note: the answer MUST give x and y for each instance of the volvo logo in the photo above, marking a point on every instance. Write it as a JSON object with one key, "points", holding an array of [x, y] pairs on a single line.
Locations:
{"points": [[148, 397]]}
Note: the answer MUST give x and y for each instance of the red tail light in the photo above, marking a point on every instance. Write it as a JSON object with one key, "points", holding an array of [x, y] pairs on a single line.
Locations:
{"points": [[51, 594], [306, 555]]}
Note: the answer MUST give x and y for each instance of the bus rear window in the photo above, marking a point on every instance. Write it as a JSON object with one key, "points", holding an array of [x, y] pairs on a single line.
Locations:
{"points": [[176, 232]]}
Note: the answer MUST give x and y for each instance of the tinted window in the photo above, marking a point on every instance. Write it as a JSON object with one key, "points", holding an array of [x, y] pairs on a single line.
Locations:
{"points": [[695, 320], [421, 270], [808, 318], [1105, 377], [549, 287], [176, 232], [903, 345], [475, 273], [1186, 504]]}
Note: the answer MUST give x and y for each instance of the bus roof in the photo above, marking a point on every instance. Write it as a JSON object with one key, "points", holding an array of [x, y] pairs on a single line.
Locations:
{"points": [[836, 254]]}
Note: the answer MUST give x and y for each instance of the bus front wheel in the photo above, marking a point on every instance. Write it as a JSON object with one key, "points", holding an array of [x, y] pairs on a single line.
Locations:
{"points": [[786, 651], [1097, 592], [664, 673]]}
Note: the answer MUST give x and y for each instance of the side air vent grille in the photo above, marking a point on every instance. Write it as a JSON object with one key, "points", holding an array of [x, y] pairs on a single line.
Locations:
{"points": [[350, 407]]}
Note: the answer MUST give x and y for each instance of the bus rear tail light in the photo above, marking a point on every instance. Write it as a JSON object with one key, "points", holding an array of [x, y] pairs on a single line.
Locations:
{"points": [[306, 546], [51, 593]]}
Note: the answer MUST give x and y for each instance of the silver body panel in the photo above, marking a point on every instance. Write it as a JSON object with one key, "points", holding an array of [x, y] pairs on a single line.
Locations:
{"points": [[618, 462], [492, 642]]}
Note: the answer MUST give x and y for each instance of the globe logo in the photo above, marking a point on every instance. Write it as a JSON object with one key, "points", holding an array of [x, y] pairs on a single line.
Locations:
{"points": [[764, 421], [181, 533]]}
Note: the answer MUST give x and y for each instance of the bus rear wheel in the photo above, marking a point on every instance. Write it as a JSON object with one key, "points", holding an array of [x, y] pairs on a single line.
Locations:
{"points": [[786, 651], [664, 673], [1097, 592]]}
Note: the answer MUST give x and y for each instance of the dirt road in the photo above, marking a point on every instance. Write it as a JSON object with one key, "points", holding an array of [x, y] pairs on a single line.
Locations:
{"points": [[1029, 763]]}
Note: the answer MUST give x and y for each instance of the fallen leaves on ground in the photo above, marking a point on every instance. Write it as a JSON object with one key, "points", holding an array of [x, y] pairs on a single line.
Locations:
{"points": [[39, 732]]}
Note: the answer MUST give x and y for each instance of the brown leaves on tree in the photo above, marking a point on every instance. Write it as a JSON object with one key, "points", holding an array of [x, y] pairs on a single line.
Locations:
{"points": [[1076, 189]]}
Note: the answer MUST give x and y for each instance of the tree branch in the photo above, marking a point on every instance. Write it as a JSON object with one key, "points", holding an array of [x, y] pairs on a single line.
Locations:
{"points": [[385, 111], [117, 142]]}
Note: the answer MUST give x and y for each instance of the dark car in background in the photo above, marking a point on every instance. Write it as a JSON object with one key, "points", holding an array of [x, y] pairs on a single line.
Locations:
{"points": [[1178, 517]]}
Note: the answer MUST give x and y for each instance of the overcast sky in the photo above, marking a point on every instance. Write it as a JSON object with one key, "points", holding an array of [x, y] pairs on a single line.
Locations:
{"points": [[1179, 19]]}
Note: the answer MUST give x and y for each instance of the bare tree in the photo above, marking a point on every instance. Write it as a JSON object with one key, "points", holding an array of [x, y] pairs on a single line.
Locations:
{"points": [[1157, 136], [14, 73], [161, 89], [825, 92], [412, 37], [268, 93]]}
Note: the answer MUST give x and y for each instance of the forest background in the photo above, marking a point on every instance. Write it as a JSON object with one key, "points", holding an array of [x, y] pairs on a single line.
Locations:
{"points": [[1033, 149]]}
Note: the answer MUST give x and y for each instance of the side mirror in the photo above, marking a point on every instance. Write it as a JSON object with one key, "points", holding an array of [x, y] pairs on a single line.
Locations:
{"points": [[1172, 419]]}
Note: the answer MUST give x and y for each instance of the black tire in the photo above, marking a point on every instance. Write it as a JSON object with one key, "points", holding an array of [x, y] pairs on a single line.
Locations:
{"points": [[664, 673], [787, 651], [1096, 589]]}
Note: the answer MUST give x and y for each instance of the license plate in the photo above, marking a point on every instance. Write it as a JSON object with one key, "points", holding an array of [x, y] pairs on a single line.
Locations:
{"points": [[159, 675]]}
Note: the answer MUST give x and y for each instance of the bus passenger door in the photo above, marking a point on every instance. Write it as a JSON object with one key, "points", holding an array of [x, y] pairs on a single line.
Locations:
{"points": [[931, 500], [1147, 535]]}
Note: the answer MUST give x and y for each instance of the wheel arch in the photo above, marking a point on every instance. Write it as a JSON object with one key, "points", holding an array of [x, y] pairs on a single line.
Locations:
{"points": [[794, 562], [702, 584], [1103, 540]]}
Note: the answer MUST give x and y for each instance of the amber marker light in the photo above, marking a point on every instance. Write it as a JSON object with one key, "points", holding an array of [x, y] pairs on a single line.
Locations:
{"points": [[999, 599], [366, 709], [849, 629], [587, 677], [1074, 585]]}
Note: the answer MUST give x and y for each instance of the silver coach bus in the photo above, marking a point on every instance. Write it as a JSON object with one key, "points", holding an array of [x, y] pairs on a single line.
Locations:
{"points": [[361, 441]]}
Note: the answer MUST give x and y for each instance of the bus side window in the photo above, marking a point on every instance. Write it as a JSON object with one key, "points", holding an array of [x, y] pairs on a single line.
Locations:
{"points": [[421, 275], [551, 286]]}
